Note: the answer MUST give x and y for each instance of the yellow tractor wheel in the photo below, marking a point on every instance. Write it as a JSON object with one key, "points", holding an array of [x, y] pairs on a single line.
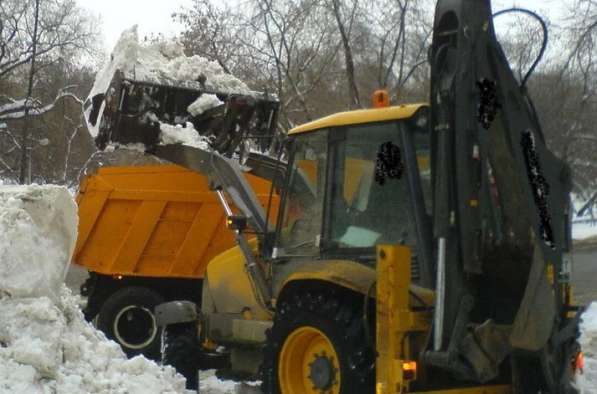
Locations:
{"points": [[308, 363], [317, 345]]}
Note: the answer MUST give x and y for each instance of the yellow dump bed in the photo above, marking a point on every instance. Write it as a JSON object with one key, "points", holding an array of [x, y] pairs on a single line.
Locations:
{"points": [[152, 221]]}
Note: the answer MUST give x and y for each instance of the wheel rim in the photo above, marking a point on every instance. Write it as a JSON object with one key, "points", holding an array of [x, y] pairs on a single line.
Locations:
{"points": [[135, 327], [308, 364]]}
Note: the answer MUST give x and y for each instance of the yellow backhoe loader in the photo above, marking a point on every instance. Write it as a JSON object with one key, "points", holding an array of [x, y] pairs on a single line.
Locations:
{"points": [[418, 248]]}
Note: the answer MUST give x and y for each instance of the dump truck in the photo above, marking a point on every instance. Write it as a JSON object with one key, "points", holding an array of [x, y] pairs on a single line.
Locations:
{"points": [[429, 257], [147, 229], [146, 234]]}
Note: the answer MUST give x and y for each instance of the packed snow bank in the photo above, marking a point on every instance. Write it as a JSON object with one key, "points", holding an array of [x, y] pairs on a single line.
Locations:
{"points": [[46, 346], [588, 381], [38, 228]]}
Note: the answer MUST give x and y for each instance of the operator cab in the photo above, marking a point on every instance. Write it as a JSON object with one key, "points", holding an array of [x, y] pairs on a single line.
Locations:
{"points": [[354, 179]]}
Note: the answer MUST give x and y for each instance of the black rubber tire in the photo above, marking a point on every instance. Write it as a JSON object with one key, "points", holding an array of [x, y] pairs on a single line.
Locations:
{"points": [[339, 316], [526, 374], [141, 300], [181, 350]]}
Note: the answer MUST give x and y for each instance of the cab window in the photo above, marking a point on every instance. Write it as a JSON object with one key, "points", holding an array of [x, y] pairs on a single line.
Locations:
{"points": [[369, 202]]}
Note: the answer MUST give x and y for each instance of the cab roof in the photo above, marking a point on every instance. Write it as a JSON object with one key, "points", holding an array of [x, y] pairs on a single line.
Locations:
{"points": [[359, 117]]}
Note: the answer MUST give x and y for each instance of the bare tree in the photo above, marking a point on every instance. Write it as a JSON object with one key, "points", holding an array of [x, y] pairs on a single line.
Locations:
{"points": [[25, 154], [318, 56], [344, 20], [37, 38]]}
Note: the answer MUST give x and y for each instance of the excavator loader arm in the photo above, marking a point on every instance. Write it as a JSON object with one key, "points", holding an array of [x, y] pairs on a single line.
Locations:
{"points": [[501, 211]]}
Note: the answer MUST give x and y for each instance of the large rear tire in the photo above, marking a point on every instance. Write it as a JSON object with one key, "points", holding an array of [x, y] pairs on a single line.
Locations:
{"points": [[127, 317], [181, 350], [317, 345]]}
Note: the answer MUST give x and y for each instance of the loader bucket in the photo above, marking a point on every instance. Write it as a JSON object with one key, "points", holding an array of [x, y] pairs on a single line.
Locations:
{"points": [[136, 112]]}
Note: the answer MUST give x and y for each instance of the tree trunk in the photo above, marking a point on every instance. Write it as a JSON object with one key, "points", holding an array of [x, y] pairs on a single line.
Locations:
{"points": [[25, 174], [353, 91]]}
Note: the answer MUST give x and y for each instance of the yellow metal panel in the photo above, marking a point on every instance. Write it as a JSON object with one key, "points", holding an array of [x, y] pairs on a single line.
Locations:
{"points": [[354, 276], [90, 209], [139, 233], [159, 195], [230, 287], [503, 389], [393, 282], [359, 117], [349, 274], [149, 169], [197, 240], [109, 200]]}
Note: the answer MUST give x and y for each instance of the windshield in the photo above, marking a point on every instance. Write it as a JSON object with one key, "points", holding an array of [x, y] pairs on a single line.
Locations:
{"points": [[303, 204], [369, 192]]}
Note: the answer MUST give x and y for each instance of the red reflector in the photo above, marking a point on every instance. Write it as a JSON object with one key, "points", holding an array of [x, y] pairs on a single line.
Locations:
{"points": [[579, 362]]}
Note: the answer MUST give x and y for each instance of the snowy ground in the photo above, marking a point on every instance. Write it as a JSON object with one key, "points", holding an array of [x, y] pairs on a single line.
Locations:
{"points": [[584, 230], [46, 346]]}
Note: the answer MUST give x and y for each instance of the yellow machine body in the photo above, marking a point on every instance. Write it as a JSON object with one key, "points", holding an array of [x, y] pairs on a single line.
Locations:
{"points": [[403, 310], [401, 331]]}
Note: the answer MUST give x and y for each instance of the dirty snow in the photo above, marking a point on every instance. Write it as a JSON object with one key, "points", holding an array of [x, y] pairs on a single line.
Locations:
{"points": [[137, 147], [203, 103], [588, 340], [37, 236], [186, 135]]}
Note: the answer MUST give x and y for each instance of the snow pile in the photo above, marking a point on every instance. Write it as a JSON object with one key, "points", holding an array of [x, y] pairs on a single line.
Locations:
{"points": [[588, 340], [164, 63], [211, 384], [45, 343], [204, 103], [186, 135], [37, 236]]}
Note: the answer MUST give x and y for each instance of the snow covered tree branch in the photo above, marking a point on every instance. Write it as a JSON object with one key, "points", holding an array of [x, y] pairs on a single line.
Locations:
{"points": [[15, 109], [63, 27]]}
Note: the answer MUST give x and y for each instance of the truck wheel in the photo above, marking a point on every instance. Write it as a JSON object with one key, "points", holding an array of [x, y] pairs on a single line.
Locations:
{"points": [[180, 349], [127, 317], [317, 345]]}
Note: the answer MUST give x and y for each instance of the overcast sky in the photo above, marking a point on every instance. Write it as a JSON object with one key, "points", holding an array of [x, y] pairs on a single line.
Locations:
{"points": [[154, 15]]}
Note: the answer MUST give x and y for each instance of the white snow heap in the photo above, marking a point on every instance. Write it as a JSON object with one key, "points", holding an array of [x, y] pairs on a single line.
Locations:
{"points": [[203, 103], [163, 63], [46, 346], [587, 382], [186, 135], [38, 231]]}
